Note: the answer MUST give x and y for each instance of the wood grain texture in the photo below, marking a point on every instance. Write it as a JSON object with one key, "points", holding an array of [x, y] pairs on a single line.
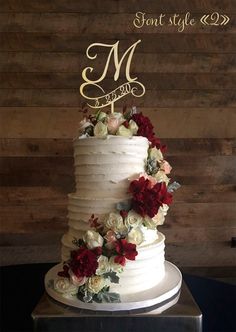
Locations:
{"points": [[48, 217], [15, 171], [151, 81], [191, 99], [155, 43], [154, 98], [57, 195], [113, 6], [89, 24], [55, 122], [46, 147], [72, 62]]}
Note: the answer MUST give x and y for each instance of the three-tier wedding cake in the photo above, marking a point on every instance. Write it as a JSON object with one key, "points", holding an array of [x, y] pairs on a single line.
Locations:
{"points": [[113, 252]]}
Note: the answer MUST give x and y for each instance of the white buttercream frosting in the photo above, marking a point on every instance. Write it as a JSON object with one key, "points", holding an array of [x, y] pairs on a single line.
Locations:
{"points": [[103, 167]]}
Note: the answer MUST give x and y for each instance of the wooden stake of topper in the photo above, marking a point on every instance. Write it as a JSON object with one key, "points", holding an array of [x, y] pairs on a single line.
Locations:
{"points": [[131, 86]]}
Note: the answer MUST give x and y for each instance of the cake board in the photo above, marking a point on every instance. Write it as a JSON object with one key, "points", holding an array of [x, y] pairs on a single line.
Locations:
{"points": [[161, 297], [50, 315]]}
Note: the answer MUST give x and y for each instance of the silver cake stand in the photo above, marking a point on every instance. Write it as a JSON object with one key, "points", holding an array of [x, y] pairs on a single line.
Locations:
{"points": [[161, 297]]}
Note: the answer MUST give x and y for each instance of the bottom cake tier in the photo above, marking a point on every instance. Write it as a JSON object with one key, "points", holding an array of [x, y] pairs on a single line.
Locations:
{"points": [[160, 297]]}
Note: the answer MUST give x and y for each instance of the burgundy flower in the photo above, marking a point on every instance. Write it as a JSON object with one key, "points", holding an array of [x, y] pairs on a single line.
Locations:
{"points": [[145, 128], [120, 260], [147, 198], [126, 250], [65, 272], [83, 262]]}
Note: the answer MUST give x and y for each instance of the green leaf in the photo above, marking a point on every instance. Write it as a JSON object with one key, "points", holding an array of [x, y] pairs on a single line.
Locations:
{"points": [[112, 276], [123, 206], [108, 297]]}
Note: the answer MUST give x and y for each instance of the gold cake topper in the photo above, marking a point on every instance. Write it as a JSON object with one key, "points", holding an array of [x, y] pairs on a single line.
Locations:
{"points": [[131, 86]]}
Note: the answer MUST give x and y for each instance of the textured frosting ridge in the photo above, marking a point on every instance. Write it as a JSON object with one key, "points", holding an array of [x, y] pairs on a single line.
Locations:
{"points": [[103, 170]]}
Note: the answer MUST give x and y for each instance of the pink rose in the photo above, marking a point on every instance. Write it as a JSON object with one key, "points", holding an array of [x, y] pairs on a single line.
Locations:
{"points": [[111, 239], [114, 121], [77, 281], [165, 166], [113, 124]]}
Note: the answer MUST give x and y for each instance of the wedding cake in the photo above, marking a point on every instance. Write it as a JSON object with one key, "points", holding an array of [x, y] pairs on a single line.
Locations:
{"points": [[113, 249]]}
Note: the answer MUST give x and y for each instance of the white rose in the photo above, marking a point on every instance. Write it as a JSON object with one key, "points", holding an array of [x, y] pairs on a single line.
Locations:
{"points": [[115, 222], [155, 153], [133, 127], [95, 284], [100, 130], [93, 239], [149, 235], [77, 281], [150, 222], [164, 208], [123, 131], [160, 176], [63, 286], [135, 236], [133, 219], [103, 265], [114, 266], [159, 218]]}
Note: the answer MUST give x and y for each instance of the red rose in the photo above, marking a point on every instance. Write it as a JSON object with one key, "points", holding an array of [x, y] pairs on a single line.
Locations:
{"points": [[83, 262], [125, 249], [148, 198]]}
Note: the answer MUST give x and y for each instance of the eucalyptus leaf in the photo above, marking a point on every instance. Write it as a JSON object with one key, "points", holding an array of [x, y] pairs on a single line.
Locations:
{"points": [[87, 297], [112, 276], [123, 206], [108, 297], [173, 186], [51, 283]]}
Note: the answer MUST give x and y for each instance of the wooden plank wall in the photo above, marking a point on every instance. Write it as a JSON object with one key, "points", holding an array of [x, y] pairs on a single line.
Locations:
{"points": [[190, 80]]}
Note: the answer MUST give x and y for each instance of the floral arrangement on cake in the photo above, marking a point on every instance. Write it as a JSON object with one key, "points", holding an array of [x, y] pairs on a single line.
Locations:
{"points": [[104, 249]]}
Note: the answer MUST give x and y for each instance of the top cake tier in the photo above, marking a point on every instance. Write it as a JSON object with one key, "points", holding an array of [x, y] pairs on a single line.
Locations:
{"points": [[104, 166]]}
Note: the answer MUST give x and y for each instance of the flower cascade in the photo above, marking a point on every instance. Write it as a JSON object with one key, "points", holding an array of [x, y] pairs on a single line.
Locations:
{"points": [[104, 250]]}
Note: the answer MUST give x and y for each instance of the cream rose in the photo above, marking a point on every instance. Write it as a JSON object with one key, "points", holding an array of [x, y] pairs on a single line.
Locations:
{"points": [[114, 266], [95, 284], [63, 286], [159, 218], [160, 176], [100, 130], [123, 131], [103, 265], [133, 219], [93, 239], [133, 127], [150, 223], [155, 153], [101, 116], [135, 236], [115, 222]]}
